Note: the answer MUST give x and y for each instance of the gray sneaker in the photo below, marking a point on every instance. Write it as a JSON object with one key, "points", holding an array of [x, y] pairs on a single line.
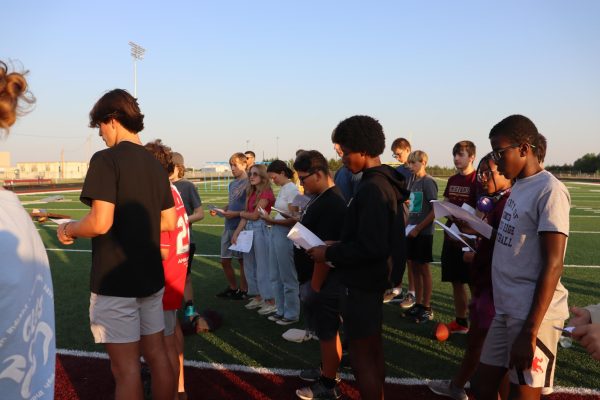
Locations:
{"points": [[408, 302], [446, 388], [318, 392]]}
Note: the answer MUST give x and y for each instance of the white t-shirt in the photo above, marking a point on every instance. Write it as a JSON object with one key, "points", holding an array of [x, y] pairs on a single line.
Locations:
{"points": [[538, 203], [286, 196], [27, 336]]}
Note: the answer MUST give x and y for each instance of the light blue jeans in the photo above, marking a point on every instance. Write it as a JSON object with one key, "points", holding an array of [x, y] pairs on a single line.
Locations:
{"points": [[256, 261], [284, 277]]}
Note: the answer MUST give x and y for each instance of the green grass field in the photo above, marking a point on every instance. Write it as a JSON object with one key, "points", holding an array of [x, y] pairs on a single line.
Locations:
{"points": [[250, 339]]}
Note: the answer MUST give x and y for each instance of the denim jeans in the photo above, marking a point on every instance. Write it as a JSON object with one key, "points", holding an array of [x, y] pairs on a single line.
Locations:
{"points": [[284, 278], [256, 261]]}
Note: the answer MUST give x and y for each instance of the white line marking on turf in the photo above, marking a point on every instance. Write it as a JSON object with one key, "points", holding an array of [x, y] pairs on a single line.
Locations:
{"points": [[295, 372]]}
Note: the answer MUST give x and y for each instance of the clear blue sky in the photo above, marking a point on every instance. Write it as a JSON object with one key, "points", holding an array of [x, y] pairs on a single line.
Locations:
{"points": [[218, 75]]}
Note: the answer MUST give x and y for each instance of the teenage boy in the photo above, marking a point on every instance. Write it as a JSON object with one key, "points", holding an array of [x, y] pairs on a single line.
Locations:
{"points": [[461, 188], [237, 203], [419, 241], [320, 287], [195, 212], [527, 264], [372, 235], [250, 159], [400, 151]]}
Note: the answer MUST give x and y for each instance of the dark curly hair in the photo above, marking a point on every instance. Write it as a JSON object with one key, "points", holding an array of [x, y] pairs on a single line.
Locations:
{"points": [[517, 128], [360, 133], [162, 153], [120, 105], [278, 166]]}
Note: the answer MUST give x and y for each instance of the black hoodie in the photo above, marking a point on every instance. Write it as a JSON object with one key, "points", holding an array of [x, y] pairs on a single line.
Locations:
{"points": [[373, 231]]}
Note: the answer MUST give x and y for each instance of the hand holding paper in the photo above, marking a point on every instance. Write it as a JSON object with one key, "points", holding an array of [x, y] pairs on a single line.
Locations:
{"points": [[445, 208]]}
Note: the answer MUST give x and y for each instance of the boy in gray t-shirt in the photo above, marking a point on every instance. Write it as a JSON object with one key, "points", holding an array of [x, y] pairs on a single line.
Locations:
{"points": [[527, 264], [419, 241]]}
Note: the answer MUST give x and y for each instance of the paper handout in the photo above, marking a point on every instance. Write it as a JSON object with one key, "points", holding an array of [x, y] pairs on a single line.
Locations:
{"points": [[303, 237], [408, 229], [244, 242], [445, 208], [283, 213], [453, 234]]}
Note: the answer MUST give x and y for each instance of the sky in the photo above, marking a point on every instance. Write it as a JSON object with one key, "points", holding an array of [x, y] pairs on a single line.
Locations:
{"points": [[275, 76]]}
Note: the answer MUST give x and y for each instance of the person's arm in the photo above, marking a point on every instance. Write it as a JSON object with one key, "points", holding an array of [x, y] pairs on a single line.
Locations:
{"points": [[197, 215], [168, 219], [552, 249], [422, 225], [589, 337], [96, 222], [237, 231], [255, 215]]}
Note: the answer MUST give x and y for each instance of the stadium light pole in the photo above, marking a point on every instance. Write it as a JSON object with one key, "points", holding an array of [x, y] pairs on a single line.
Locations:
{"points": [[277, 147], [137, 53]]}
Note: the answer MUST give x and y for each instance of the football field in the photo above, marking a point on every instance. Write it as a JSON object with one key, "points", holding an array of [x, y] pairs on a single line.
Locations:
{"points": [[247, 339]]}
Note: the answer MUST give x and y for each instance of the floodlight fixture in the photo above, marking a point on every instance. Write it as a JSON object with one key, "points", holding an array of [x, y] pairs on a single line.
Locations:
{"points": [[137, 53]]}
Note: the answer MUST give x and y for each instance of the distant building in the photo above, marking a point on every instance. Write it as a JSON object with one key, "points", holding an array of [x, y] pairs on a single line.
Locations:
{"points": [[51, 170], [216, 166]]}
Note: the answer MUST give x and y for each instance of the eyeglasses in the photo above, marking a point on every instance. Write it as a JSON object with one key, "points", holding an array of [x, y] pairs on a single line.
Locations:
{"points": [[483, 176], [498, 154], [302, 178]]}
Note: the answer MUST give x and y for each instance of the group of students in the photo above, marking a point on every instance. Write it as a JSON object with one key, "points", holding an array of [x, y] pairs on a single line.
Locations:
{"points": [[139, 225]]}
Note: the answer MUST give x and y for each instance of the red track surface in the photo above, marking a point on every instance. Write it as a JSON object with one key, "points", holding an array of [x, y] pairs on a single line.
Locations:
{"points": [[91, 379]]}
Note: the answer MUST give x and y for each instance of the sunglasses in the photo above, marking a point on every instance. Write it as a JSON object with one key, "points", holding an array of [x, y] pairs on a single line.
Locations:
{"points": [[253, 174]]}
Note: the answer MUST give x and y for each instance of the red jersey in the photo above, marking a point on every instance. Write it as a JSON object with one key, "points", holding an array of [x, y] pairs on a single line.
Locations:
{"points": [[175, 265], [462, 189]]}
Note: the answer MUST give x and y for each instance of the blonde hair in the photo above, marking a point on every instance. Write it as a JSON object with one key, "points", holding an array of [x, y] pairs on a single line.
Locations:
{"points": [[263, 186], [418, 156], [13, 93]]}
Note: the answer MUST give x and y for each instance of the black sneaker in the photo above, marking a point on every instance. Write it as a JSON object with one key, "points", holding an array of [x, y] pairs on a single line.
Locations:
{"points": [[228, 293], [318, 391], [424, 316], [240, 295], [313, 375], [413, 311]]}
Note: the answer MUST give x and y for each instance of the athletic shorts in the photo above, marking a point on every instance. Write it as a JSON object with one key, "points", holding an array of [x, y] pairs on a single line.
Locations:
{"points": [[125, 319], [322, 309], [170, 321], [362, 313], [420, 249], [498, 343], [191, 257], [225, 243], [454, 268], [481, 309]]}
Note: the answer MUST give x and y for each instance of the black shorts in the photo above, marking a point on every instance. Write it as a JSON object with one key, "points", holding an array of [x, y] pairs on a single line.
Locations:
{"points": [[420, 249], [362, 313], [191, 257], [454, 269], [322, 309]]}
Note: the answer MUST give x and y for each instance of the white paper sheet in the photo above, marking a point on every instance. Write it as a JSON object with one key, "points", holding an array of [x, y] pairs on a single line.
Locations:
{"points": [[409, 228], [283, 213], [453, 234], [303, 237], [445, 208], [61, 221], [244, 242]]}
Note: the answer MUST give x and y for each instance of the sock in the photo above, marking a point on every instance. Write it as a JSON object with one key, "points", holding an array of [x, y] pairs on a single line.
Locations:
{"points": [[428, 308], [462, 322], [413, 293], [328, 383]]}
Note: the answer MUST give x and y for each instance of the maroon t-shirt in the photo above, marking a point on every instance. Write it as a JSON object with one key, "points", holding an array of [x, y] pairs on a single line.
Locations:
{"points": [[480, 269], [462, 189]]}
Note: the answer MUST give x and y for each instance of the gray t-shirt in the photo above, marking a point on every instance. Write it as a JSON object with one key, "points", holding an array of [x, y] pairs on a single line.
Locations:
{"points": [[237, 201], [422, 191], [538, 203]]}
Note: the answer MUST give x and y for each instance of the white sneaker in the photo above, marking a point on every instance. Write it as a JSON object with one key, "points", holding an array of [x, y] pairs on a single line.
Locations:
{"points": [[267, 309], [254, 303], [297, 335]]}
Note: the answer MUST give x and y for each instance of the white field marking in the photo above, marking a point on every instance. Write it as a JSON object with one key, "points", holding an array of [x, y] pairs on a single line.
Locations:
{"points": [[583, 232], [584, 216], [215, 225], [60, 209], [295, 372], [219, 256], [49, 191]]}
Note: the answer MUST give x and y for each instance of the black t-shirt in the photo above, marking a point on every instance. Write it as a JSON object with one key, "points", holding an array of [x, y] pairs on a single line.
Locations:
{"points": [[126, 260], [190, 197], [324, 216]]}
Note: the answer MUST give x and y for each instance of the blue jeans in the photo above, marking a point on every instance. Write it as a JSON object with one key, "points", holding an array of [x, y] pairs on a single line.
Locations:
{"points": [[256, 261], [284, 277]]}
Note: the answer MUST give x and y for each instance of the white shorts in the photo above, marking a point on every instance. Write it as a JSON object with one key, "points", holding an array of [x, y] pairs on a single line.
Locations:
{"points": [[125, 319], [498, 343], [170, 321]]}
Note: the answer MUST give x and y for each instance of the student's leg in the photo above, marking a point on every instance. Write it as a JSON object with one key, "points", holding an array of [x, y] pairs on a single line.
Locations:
{"points": [[331, 356], [487, 381], [173, 356], [243, 282], [274, 277], [125, 367], [226, 256], [417, 281], [459, 292], [155, 354], [366, 357], [470, 361], [288, 276], [426, 282], [250, 270], [261, 253], [188, 290], [180, 347], [411, 278]]}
